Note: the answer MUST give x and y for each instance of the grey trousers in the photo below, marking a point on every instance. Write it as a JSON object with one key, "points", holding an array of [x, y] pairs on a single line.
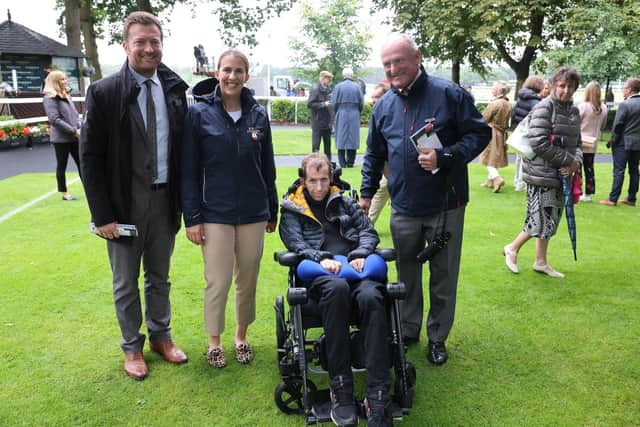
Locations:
{"points": [[153, 246], [410, 235]]}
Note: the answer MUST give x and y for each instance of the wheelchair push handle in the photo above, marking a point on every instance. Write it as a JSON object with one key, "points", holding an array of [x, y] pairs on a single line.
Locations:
{"points": [[387, 254]]}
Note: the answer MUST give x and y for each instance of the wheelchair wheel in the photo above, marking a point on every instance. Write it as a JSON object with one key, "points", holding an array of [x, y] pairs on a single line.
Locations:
{"points": [[289, 395], [281, 327]]}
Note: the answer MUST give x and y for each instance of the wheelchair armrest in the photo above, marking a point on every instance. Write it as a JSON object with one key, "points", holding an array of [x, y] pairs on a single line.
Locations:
{"points": [[396, 290], [387, 254], [287, 259], [297, 296]]}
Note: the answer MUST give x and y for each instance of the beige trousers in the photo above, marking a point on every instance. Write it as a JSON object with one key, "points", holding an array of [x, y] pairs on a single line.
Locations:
{"points": [[229, 250], [379, 201]]}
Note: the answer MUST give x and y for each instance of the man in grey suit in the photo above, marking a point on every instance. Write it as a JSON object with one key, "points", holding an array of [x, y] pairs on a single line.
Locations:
{"points": [[625, 144], [129, 158]]}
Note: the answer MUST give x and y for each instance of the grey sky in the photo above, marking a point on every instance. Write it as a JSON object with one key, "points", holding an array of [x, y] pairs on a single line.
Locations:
{"points": [[185, 31]]}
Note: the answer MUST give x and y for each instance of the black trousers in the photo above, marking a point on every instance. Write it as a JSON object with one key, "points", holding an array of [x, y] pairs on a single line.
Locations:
{"points": [[589, 174], [346, 158], [63, 149], [337, 300], [325, 135]]}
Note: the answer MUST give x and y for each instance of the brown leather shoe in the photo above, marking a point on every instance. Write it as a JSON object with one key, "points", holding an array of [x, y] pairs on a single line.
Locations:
{"points": [[628, 203], [135, 366], [607, 202], [498, 183], [169, 352]]}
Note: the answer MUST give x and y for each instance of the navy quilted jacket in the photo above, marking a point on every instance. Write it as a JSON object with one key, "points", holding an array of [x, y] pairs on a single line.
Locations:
{"points": [[301, 232]]}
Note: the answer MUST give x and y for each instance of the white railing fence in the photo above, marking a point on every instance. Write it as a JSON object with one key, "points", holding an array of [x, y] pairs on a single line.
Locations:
{"points": [[190, 101]]}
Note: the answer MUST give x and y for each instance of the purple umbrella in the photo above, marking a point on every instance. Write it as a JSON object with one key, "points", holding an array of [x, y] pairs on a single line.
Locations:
{"points": [[569, 211]]}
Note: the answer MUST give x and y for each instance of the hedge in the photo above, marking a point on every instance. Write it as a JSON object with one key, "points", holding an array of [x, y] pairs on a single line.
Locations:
{"points": [[283, 111]]}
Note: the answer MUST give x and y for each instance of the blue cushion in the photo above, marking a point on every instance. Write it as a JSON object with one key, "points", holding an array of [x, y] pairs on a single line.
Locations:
{"points": [[374, 268]]}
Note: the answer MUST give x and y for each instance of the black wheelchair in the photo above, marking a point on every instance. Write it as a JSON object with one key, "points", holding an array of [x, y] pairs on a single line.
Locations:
{"points": [[299, 356]]}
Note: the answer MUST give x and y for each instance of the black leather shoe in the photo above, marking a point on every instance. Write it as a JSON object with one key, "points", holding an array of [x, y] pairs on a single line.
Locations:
{"points": [[437, 353], [344, 412]]}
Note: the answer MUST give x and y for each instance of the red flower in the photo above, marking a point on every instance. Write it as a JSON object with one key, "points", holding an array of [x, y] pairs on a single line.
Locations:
{"points": [[26, 131], [3, 135]]}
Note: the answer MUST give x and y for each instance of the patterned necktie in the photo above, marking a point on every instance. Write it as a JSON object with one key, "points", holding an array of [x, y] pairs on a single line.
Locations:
{"points": [[151, 130]]}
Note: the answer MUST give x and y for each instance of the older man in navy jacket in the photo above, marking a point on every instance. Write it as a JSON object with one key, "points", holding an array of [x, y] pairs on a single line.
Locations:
{"points": [[428, 181]]}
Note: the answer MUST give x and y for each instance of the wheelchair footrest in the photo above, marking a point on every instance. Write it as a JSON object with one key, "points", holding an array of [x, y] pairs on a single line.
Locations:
{"points": [[321, 408]]}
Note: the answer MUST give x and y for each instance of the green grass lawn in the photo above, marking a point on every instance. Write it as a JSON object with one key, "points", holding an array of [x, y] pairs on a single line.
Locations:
{"points": [[525, 350]]}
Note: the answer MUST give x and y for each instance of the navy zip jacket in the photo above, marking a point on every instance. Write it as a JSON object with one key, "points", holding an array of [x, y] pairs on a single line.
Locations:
{"points": [[228, 169], [460, 128]]}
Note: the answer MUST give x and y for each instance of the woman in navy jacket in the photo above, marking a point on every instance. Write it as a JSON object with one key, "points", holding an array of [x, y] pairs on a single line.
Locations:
{"points": [[229, 196]]}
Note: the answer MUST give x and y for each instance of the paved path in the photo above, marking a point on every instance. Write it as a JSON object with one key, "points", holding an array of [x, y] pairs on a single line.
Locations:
{"points": [[41, 158]]}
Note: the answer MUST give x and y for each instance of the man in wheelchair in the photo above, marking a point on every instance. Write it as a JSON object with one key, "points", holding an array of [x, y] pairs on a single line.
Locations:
{"points": [[337, 241]]}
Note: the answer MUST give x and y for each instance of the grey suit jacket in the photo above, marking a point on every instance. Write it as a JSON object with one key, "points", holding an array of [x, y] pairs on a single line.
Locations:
{"points": [[626, 125]]}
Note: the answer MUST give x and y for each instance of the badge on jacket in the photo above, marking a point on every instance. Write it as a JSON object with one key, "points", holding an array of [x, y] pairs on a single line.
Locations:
{"points": [[254, 132]]}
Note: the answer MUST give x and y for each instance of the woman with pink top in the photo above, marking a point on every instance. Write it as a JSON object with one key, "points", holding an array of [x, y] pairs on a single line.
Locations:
{"points": [[593, 119]]}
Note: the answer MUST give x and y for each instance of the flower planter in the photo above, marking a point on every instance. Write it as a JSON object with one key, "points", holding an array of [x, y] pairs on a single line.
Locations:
{"points": [[40, 139]]}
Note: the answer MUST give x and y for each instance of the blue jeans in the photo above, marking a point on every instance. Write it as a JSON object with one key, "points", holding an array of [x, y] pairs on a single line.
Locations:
{"points": [[622, 158]]}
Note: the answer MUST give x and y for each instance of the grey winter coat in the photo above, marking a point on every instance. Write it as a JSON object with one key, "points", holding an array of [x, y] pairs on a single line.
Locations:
{"points": [[63, 119], [302, 233], [554, 140], [347, 101]]}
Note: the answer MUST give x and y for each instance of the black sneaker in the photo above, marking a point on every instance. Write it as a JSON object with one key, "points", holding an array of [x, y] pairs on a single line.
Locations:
{"points": [[437, 353], [376, 408], [343, 406]]}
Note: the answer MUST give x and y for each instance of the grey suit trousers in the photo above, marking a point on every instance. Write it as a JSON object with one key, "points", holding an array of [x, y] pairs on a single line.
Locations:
{"points": [[410, 235], [153, 246]]}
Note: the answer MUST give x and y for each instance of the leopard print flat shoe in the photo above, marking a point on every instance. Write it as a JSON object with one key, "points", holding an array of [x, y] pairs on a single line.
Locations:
{"points": [[216, 358], [244, 353]]}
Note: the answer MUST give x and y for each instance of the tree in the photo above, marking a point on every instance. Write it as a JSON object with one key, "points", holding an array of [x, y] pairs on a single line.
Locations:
{"points": [[512, 31], [601, 52], [87, 25], [95, 17], [330, 38], [240, 21], [72, 23], [448, 35]]}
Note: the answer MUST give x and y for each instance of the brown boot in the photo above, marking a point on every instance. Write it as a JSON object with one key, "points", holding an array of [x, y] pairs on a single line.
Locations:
{"points": [[498, 183], [135, 366]]}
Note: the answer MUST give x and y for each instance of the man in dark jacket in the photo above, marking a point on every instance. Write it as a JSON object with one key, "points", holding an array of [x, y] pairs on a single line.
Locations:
{"points": [[129, 157], [320, 105], [625, 144], [428, 186], [320, 224]]}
